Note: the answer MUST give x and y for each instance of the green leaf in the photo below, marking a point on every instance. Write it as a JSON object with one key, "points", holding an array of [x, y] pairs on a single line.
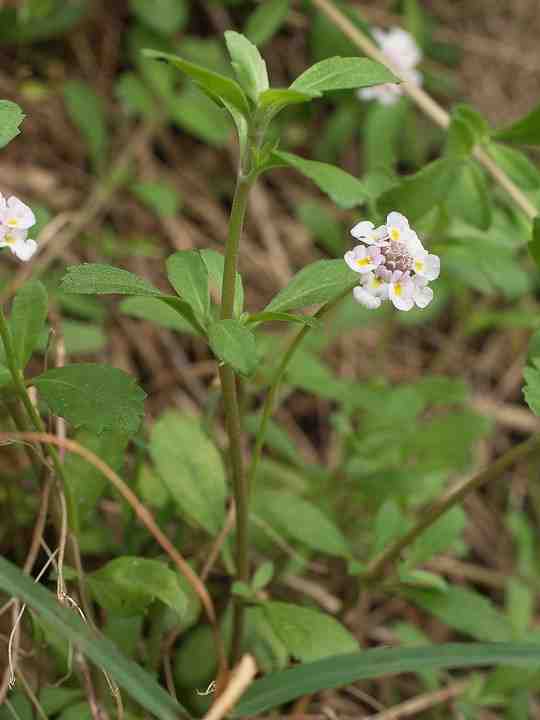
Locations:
{"points": [[215, 263], [28, 315], [274, 100], [534, 244], [86, 483], [281, 317], [441, 536], [135, 97], [164, 16], [188, 275], [298, 518], [343, 73], [344, 189], [157, 312], [234, 344], [382, 133], [282, 687], [417, 194], [128, 585], [11, 117], [266, 20], [55, 699], [308, 634], [469, 197], [516, 164], [216, 86], [531, 391], [525, 131], [57, 22], [248, 64], [317, 283], [87, 112], [193, 111], [262, 575], [96, 279], [160, 197], [191, 468], [98, 397], [138, 684]]}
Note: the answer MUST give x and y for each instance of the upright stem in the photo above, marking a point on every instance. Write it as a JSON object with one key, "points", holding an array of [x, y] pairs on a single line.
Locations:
{"points": [[232, 411]]}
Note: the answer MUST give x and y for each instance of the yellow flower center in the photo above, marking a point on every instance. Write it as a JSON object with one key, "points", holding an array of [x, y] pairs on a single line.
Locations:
{"points": [[12, 222], [419, 265], [398, 289], [363, 262], [395, 234]]}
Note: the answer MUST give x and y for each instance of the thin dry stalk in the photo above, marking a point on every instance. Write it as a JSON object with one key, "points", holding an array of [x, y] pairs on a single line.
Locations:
{"points": [[241, 677]]}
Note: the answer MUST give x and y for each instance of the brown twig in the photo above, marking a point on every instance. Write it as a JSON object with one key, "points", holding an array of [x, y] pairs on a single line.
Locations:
{"points": [[241, 677], [419, 704]]}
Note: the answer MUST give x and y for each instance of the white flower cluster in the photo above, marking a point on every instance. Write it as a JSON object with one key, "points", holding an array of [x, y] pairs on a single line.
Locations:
{"points": [[401, 49], [16, 219], [393, 263]]}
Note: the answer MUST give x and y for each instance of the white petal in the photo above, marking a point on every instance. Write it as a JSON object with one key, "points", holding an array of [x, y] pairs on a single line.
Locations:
{"points": [[18, 215], [402, 300], [423, 296], [433, 267], [365, 298], [362, 230], [24, 249], [395, 219], [413, 243]]}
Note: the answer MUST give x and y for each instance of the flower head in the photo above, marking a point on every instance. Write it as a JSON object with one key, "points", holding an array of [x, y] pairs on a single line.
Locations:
{"points": [[16, 219], [401, 49], [394, 264]]}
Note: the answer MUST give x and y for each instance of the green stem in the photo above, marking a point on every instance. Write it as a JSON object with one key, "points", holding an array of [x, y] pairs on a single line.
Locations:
{"points": [[453, 496], [270, 398], [232, 411]]}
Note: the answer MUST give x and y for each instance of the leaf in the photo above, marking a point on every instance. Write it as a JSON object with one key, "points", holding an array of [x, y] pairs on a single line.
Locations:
{"points": [[298, 518], [517, 165], [263, 317], [57, 22], [531, 391], [87, 112], [417, 194], [274, 100], [213, 84], [234, 344], [266, 20], [193, 111], [248, 64], [343, 73], [308, 634], [344, 189], [469, 197], [525, 131], [467, 128], [534, 244], [96, 279], [11, 117], [139, 685], [191, 468], [282, 687], [28, 316], [128, 585], [164, 16], [215, 263], [98, 397], [382, 133], [160, 197], [157, 312], [438, 538], [317, 283], [188, 275]]}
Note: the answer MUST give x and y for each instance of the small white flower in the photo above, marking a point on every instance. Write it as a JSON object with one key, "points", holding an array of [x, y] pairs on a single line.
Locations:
{"points": [[372, 291], [401, 290], [427, 266], [423, 294], [15, 214], [365, 298], [362, 259], [401, 49], [18, 242]]}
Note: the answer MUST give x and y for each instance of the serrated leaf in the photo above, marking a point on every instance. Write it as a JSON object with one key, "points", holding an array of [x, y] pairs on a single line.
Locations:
{"points": [[317, 283], [128, 585], [266, 20], [344, 189], [164, 16], [98, 397], [308, 634], [11, 117], [298, 518], [215, 85], [96, 279], [139, 684], [248, 64], [87, 112], [417, 194], [282, 687], [191, 468], [234, 344], [525, 131], [157, 312], [188, 275], [342, 73], [28, 315]]}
